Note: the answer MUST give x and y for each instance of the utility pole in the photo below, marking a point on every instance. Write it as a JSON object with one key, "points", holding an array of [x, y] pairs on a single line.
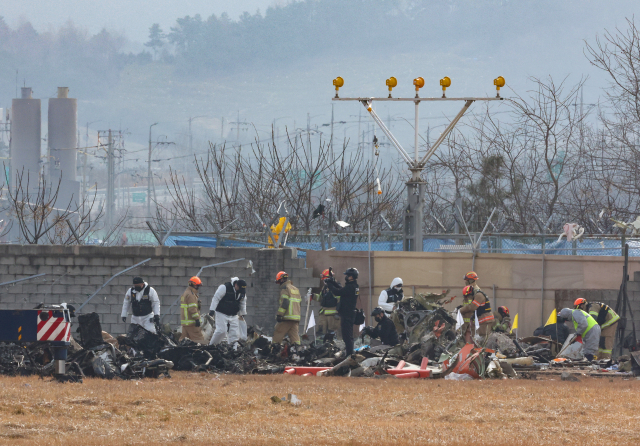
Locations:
{"points": [[308, 129], [331, 140], [84, 165], [359, 121], [110, 181], [149, 169], [190, 138]]}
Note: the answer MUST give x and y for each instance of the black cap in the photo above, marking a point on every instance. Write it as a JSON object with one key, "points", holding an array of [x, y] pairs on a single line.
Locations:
{"points": [[241, 283], [137, 280]]}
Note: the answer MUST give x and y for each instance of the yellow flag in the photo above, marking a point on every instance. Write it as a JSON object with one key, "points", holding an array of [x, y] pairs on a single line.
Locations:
{"points": [[515, 324], [553, 318]]}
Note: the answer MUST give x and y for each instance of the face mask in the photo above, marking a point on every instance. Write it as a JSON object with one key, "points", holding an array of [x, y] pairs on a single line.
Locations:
{"points": [[138, 287], [398, 287]]}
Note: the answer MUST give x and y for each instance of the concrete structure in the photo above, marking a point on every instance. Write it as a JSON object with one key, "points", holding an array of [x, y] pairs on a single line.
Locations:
{"points": [[63, 142], [25, 138], [76, 272], [518, 278]]}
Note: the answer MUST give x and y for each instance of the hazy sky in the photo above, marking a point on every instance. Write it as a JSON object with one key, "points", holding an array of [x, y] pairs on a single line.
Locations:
{"points": [[133, 17]]}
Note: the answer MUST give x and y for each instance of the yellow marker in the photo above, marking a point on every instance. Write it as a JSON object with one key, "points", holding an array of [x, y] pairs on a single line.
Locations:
{"points": [[445, 83], [499, 82], [19, 329], [418, 82], [338, 82], [392, 82]]}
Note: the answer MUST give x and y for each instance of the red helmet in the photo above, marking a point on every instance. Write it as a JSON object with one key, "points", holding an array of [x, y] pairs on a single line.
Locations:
{"points": [[195, 280], [281, 277], [325, 274], [503, 311], [579, 301], [471, 276], [467, 291]]}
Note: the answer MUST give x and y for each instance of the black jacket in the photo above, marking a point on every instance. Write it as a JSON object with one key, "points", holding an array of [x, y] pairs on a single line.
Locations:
{"points": [[550, 330], [348, 297], [386, 331]]}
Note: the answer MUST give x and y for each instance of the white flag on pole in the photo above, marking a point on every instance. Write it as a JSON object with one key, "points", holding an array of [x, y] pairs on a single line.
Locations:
{"points": [[312, 321], [477, 323], [459, 320]]}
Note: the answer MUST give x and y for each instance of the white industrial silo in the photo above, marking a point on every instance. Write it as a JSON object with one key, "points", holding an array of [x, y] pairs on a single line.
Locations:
{"points": [[63, 144], [25, 138]]}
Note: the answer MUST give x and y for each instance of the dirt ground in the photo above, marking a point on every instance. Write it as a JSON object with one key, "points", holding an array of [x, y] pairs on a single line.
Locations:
{"points": [[221, 409]]}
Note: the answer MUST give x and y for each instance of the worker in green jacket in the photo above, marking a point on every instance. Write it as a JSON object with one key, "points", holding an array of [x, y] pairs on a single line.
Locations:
{"points": [[608, 321]]}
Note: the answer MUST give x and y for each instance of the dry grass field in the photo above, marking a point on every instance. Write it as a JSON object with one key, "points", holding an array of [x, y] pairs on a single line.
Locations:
{"points": [[211, 409]]}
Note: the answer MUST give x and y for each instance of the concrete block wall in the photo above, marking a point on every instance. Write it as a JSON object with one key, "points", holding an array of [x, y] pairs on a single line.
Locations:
{"points": [[73, 273]]}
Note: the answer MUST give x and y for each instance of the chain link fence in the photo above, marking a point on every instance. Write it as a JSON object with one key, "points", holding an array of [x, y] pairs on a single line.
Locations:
{"points": [[607, 245]]}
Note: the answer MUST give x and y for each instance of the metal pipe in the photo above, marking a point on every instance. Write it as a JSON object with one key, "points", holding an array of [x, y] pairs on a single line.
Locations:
{"points": [[542, 286], [169, 311], [370, 278], [446, 132], [416, 133], [386, 131], [107, 282], [414, 99], [20, 280]]}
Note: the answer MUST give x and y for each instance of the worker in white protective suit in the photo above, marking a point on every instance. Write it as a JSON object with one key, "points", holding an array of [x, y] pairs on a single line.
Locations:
{"points": [[391, 296], [229, 306], [144, 303]]}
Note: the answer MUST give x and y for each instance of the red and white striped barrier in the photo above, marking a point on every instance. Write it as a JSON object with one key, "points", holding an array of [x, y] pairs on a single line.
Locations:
{"points": [[53, 326]]}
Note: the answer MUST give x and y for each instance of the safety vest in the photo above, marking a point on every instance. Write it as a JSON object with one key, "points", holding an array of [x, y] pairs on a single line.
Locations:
{"points": [[590, 321], [290, 300], [394, 295], [230, 302], [601, 315], [141, 307], [467, 320]]}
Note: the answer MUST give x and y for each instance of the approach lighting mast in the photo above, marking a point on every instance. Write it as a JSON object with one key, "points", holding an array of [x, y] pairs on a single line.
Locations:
{"points": [[412, 239]]}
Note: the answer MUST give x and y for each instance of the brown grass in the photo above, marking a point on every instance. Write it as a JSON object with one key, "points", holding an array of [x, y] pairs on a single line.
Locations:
{"points": [[211, 409]]}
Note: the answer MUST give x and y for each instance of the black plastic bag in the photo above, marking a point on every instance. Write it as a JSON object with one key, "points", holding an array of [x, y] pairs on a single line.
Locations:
{"points": [[359, 317]]}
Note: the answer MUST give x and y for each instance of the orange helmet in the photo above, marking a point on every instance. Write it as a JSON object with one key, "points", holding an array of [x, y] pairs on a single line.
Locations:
{"points": [[467, 291], [579, 301], [195, 280], [325, 274], [281, 276], [471, 276]]}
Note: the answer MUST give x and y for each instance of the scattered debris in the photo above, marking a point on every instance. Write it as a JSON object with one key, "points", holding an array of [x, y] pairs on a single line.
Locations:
{"points": [[432, 350], [566, 376]]}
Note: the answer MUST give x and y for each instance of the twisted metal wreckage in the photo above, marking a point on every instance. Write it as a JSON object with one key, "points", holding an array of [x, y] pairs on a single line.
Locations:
{"points": [[433, 349]]}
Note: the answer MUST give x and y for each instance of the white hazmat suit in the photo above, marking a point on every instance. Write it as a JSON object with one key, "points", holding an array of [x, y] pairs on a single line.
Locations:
{"points": [[390, 296], [145, 321], [235, 331]]}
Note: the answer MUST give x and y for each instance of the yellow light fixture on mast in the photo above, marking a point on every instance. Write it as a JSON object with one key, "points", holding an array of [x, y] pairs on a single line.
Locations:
{"points": [[445, 83], [392, 82], [418, 82], [499, 82], [338, 82]]}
